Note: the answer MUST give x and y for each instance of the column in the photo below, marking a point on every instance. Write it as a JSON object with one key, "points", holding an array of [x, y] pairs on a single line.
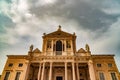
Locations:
{"points": [[50, 73], [78, 75], [91, 70], [73, 70], [65, 70], [43, 69], [39, 72]]}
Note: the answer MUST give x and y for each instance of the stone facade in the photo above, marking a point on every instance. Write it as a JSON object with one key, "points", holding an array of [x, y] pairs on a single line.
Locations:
{"points": [[59, 60]]}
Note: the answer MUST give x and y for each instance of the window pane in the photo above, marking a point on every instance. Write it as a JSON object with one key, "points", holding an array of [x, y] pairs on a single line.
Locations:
{"points": [[20, 64], [17, 75], [113, 76], [98, 65], [101, 75], [10, 65], [7, 75]]}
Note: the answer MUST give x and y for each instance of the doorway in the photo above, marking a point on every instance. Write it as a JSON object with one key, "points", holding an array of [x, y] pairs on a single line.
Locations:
{"points": [[59, 78]]}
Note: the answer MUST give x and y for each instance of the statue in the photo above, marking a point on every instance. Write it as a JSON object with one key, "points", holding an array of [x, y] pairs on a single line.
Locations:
{"points": [[31, 48], [87, 48], [44, 34], [59, 29]]}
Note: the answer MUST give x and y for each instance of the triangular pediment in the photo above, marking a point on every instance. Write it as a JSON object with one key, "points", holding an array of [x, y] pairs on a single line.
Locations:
{"points": [[59, 33], [36, 51], [81, 50]]}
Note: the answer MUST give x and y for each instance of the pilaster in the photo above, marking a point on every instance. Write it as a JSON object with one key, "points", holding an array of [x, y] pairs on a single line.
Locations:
{"points": [[91, 70]]}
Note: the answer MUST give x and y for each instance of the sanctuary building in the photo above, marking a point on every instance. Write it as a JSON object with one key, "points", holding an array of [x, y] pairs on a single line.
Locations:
{"points": [[59, 60]]}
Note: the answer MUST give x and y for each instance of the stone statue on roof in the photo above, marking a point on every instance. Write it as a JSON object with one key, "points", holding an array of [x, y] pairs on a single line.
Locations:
{"points": [[31, 48], [87, 48], [59, 29]]}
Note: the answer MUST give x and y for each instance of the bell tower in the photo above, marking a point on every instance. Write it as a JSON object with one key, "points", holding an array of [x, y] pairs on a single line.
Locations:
{"points": [[59, 43]]}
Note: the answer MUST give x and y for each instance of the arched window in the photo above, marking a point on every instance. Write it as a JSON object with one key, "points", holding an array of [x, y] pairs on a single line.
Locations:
{"points": [[59, 48]]}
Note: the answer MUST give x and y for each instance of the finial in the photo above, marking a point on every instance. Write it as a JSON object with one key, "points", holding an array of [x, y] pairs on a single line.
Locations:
{"points": [[59, 29]]}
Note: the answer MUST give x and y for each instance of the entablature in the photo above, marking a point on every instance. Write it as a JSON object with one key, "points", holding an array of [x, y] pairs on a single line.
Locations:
{"points": [[60, 59]]}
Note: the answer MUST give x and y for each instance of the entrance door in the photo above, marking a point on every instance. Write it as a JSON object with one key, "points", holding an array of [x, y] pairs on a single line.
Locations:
{"points": [[59, 78]]}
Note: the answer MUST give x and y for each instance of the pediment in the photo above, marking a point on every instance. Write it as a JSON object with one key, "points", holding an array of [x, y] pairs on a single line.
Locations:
{"points": [[81, 50], [59, 33], [36, 51]]}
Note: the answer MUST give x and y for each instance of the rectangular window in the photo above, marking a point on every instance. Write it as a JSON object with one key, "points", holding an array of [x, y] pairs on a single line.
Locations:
{"points": [[17, 75], [10, 65], [98, 65], [101, 76], [109, 64], [7, 76], [20, 65], [113, 76]]}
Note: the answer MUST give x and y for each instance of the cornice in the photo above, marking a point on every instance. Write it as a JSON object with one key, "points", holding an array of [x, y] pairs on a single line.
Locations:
{"points": [[17, 56]]}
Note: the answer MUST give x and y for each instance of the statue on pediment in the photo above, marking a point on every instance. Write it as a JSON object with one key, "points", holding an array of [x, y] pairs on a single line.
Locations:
{"points": [[87, 48], [59, 29], [31, 48]]}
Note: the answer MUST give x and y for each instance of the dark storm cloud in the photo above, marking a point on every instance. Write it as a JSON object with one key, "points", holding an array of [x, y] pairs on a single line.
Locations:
{"points": [[56, 9], [88, 15]]}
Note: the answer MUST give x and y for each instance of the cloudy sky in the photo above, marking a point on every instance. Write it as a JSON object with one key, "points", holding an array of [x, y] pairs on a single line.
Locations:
{"points": [[23, 22]]}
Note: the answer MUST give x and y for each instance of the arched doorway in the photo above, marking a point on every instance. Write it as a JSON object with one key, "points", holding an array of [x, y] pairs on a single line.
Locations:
{"points": [[59, 48]]}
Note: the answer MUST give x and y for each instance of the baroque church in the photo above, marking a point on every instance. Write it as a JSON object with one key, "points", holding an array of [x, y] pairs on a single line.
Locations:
{"points": [[59, 60]]}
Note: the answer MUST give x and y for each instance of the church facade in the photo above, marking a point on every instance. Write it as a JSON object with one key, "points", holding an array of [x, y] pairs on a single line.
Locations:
{"points": [[59, 60]]}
